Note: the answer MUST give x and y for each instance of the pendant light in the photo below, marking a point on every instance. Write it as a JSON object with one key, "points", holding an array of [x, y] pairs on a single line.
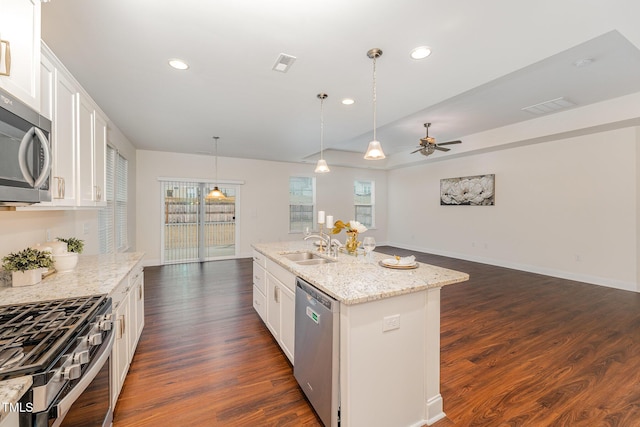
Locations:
{"points": [[216, 194], [322, 167], [374, 151]]}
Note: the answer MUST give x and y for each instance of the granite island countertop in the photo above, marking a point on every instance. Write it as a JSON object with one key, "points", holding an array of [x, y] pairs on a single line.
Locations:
{"points": [[351, 280], [94, 274]]}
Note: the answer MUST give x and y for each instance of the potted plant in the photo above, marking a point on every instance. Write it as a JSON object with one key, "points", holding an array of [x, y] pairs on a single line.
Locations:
{"points": [[73, 244], [67, 261], [26, 266]]}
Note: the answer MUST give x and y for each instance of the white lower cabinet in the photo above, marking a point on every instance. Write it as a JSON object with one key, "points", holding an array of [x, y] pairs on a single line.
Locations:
{"points": [[128, 315], [259, 290], [120, 353], [287, 321], [278, 285]]}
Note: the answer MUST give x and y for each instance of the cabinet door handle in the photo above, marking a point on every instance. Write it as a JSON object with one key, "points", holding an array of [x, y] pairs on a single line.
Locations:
{"points": [[276, 294], [120, 326], [7, 57], [58, 187]]}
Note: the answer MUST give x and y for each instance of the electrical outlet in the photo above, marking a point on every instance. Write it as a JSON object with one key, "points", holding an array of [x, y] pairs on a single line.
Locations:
{"points": [[390, 323], [48, 232]]}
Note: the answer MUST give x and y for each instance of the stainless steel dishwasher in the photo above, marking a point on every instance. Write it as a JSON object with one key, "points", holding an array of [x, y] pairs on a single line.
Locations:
{"points": [[316, 355]]}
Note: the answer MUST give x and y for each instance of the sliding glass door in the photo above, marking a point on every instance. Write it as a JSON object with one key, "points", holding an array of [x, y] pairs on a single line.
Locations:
{"points": [[195, 227]]}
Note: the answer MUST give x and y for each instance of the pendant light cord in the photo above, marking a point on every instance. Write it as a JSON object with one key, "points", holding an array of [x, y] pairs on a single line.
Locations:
{"points": [[216, 158], [321, 127], [374, 98]]}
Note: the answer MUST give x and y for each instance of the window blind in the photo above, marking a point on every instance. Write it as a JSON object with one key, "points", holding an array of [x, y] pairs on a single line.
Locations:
{"points": [[112, 220]]}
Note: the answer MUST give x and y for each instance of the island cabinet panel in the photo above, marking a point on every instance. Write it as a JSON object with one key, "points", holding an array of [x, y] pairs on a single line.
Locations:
{"points": [[259, 286], [390, 368], [276, 306]]}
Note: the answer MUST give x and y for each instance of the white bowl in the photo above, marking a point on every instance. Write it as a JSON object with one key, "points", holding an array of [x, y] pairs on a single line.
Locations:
{"points": [[65, 262]]}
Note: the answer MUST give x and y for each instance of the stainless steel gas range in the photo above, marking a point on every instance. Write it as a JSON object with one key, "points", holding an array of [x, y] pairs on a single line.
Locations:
{"points": [[65, 345]]}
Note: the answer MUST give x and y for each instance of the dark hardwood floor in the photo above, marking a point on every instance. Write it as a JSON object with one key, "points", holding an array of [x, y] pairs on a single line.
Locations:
{"points": [[517, 349]]}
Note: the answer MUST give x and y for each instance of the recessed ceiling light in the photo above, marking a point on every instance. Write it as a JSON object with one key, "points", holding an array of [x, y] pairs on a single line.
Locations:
{"points": [[178, 64], [348, 101], [421, 52]]}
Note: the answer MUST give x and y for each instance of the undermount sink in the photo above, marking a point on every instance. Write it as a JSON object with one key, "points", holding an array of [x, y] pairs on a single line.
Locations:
{"points": [[306, 258], [315, 261]]}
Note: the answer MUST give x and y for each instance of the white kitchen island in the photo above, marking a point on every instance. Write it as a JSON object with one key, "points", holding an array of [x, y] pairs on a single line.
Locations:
{"points": [[389, 334]]}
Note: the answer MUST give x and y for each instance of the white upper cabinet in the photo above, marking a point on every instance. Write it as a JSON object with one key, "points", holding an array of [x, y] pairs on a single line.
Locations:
{"points": [[63, 141], [47, 84], [100, 159], [20, 50], [78, 139], [92, 151]]}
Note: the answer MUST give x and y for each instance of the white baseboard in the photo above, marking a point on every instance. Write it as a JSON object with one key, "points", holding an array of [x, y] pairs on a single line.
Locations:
{"points": [[593, 280]]}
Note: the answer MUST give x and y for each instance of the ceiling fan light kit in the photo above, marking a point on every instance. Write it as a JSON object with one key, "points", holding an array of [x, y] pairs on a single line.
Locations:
{"points": [[374, 151], [428, 144], [321, 166]]}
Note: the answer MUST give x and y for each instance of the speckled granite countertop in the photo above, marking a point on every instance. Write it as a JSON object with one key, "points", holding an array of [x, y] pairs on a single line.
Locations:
{"points": [[353, 281], [94, 274]]}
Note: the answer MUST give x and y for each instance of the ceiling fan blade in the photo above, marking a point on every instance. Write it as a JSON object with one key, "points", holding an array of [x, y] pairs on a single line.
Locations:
{"points": [[450, 142], [416, 150], [437, 147]]}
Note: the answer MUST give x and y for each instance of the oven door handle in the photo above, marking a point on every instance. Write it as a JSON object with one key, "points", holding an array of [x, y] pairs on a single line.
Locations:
{"points": [[64, 405]]}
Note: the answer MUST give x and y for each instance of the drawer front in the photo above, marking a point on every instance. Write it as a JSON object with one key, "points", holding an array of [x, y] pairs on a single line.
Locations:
{"points": [[259, 259], [282, 274], [260, 303], [259, 278]]}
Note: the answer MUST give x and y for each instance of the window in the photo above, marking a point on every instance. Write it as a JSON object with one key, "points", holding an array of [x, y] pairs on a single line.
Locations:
{"points": [[363, 200], [112, 220], [302, 196]]}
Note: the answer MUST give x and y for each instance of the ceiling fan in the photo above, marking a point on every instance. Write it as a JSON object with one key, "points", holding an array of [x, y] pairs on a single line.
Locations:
{"points": [[428, 144]]}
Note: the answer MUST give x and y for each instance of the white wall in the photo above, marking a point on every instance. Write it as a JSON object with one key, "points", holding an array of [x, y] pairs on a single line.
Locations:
{"points": [[567, 208], [264, 199]]}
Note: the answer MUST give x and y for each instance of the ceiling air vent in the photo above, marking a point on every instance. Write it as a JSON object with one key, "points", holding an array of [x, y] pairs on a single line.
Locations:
{"points": [[283, 63], [549, 106]]}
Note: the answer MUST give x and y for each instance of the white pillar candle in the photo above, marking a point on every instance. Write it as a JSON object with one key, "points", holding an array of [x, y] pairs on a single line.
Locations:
{"points": [[320, 217], [329, 221]]}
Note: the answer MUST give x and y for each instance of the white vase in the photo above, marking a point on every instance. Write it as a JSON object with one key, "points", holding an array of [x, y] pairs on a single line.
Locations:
{"points": [[65, 262], [26, 278]]}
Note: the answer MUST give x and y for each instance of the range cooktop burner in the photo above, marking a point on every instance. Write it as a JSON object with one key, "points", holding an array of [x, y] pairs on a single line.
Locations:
{"points": [[32, 335]]}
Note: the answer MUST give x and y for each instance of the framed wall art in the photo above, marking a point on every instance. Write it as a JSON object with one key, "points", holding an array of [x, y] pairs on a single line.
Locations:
{"points": [[478, 190]]}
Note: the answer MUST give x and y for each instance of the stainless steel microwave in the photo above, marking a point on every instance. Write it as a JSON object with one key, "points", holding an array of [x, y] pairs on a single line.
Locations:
{"points": [[25, 154]]}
